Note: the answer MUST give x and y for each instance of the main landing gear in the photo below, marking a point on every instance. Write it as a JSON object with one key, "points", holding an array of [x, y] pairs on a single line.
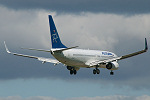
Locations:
{"points": [[72, 70], [96, 71], [111, 73]]}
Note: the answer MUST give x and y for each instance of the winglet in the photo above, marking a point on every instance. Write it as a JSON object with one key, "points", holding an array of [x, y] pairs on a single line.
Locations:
{"points": [[146, 47], [6, 48]]}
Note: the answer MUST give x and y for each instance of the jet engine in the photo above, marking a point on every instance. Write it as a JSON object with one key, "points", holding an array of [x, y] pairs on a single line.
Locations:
{"points": [[112, 65]]}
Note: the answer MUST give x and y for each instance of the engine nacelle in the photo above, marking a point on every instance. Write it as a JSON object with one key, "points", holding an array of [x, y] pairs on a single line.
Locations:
{"points": [[112, 65]]}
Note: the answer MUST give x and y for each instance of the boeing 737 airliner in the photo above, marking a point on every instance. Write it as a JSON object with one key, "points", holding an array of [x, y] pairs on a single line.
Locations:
{"points": [[74, 58]]}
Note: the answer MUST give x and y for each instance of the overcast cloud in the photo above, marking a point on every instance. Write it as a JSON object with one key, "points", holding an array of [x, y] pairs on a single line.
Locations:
{"points": [[89, 24], [114, 25], [118, 33], [115, 97], [75, 6]]}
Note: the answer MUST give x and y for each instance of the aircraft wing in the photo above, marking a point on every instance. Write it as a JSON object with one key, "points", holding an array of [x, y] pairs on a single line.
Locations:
{"points": [[94, 63], [44, 60]]}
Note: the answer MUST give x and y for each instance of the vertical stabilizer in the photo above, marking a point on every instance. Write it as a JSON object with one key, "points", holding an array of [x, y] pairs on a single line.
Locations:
{"points": [[55, 40]]}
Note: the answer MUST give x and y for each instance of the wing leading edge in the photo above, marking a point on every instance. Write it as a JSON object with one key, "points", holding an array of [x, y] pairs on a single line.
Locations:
{"points": [[35, 57]]}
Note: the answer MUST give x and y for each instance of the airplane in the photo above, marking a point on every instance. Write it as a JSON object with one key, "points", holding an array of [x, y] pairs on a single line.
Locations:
{"points": [[74, 58]]}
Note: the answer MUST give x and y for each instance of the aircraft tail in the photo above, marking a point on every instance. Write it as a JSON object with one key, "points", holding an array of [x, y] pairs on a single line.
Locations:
{"points": [[55, 40]]}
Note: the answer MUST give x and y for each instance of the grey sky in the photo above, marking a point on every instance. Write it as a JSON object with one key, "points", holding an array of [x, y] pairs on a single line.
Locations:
{"points": [[75, 6], [115, 97], [89, 24], [117, 33]]}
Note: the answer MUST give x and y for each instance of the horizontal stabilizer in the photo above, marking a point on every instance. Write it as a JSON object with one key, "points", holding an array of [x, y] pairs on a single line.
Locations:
{"points": [[55, 50], [63, 49], [37, 49]]}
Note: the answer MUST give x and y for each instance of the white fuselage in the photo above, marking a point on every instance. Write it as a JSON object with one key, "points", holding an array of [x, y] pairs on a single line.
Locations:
{"points": [[80, 57]]}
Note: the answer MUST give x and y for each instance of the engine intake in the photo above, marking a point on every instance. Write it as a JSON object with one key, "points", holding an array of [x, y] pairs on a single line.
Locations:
{"points": [[112, 66]]}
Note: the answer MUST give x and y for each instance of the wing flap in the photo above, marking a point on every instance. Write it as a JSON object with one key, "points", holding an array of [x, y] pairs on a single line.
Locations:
{"points": [[48, 60], [94, 63]]}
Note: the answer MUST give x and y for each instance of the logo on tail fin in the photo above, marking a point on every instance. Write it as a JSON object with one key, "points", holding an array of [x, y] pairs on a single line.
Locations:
{"points": [[55, 37]]}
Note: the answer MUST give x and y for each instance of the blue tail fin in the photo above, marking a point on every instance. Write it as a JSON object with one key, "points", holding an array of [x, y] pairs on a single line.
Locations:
{"points": [[56, 42]]}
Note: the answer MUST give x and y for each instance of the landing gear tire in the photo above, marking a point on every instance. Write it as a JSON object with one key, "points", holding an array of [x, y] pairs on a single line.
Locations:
{"points": [[73, 72], [69, 67], [111, 73], [96, 71]]}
